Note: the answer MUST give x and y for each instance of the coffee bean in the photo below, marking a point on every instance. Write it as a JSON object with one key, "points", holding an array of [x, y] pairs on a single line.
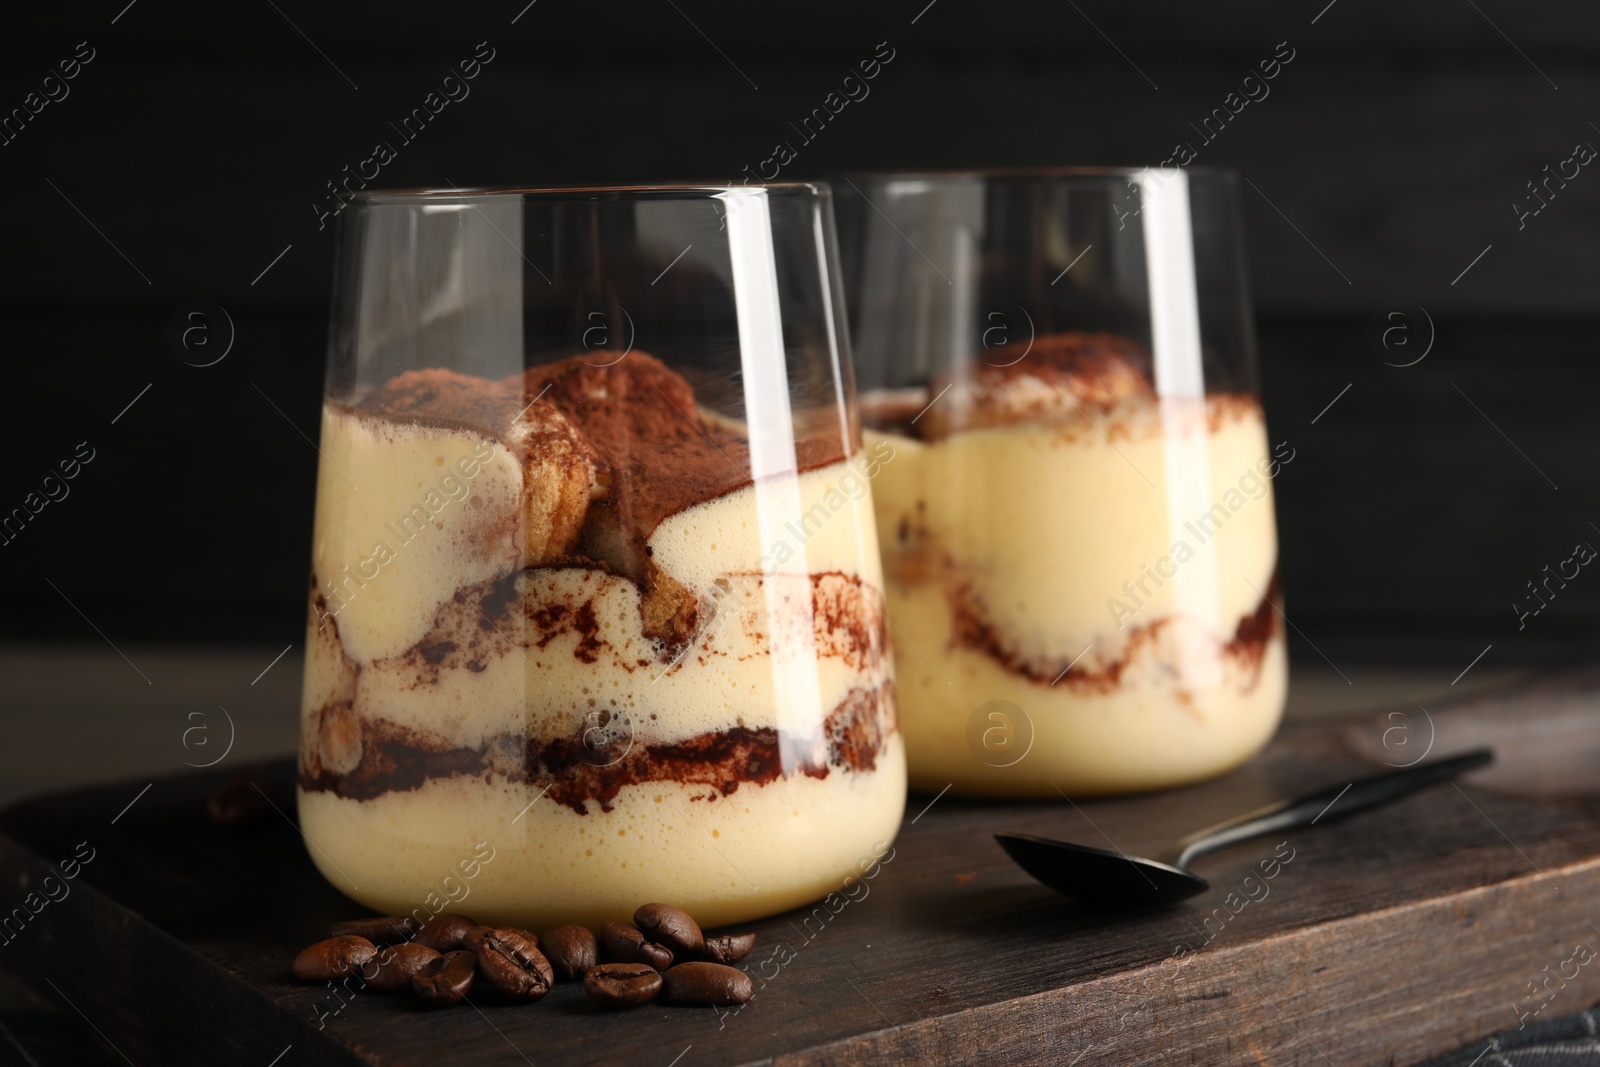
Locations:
{"points": [[470, 939], [621, 985], [729, 948], [672, 927], [511, 965], [444, 981], [395, 966], [337, 957], [571, 950], [444, 932], [705, 983], [385, 930], [626, 943]]}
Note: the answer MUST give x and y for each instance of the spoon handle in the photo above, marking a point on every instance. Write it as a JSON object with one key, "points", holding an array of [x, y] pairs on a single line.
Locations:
{"points": [[1326, 805]]}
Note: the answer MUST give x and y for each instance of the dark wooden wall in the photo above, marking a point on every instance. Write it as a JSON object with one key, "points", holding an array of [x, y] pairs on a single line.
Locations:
{"points": [[1386, 157]]}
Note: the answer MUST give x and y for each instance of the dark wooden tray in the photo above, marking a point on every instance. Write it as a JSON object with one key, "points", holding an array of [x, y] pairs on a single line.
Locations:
{"points": [[1387, 938]]}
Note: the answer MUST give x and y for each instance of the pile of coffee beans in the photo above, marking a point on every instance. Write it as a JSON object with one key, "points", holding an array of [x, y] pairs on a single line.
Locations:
{"points": [[661, 955]]}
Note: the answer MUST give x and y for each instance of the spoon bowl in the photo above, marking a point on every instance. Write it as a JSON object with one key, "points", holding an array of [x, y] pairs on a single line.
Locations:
{"points": [[1098, 876]]}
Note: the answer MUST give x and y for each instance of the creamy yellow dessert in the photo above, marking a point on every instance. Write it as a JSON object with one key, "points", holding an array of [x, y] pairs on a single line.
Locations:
{"points": [[553, 613], [1080, 575]]}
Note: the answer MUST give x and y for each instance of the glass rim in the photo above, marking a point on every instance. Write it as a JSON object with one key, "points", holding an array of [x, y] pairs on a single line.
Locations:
{"points": [[581, 193], [1037, 173]]}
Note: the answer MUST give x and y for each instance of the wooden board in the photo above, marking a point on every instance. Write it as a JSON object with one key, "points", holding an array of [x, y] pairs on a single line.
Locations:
{"points": [[1388, 938]]}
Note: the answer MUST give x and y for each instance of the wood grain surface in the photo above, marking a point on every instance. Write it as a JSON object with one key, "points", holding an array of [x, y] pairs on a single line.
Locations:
{"points": [[1387, 938]]}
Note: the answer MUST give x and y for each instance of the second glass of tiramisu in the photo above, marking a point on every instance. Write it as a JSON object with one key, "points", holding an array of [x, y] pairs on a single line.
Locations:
{"points": [[1077, 520], [596, 611]]}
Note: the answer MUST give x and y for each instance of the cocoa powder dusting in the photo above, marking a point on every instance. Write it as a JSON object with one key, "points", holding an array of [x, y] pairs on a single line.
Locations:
{"points": [[1089, 386], [1249, 642], [398, 758], [588, 627], [608, 453], [975, 630], [1058, 371]]}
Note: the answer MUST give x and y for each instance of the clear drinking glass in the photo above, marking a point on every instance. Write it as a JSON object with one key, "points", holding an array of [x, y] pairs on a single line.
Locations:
{"points": [[596, 605], [1077, 525]]}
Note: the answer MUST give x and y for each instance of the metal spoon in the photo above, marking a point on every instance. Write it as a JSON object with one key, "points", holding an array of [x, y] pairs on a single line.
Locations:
{"points": [[1111, 878]]}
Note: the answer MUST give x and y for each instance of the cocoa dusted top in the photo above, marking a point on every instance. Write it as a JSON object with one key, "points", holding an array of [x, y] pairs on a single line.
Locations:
{"points": [[608, 452], [1056, 372]]}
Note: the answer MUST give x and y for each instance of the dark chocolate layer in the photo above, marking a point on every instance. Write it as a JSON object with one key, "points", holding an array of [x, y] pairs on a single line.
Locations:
{"points": [[363, 756], [494, 618], [975, 630], [579, 768]]}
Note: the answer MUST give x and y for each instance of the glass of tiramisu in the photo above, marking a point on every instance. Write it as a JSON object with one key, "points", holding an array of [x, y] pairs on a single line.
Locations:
{"points": [[1077, 525], [596, 613]]}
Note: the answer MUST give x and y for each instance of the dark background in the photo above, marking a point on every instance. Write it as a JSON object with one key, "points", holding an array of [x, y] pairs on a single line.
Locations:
{"points": [[1392, 147]]}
